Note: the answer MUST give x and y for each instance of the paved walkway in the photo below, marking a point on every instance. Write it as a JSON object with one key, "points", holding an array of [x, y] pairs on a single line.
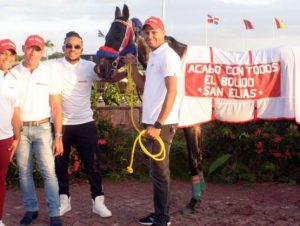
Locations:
{"points": [[223, 204]]}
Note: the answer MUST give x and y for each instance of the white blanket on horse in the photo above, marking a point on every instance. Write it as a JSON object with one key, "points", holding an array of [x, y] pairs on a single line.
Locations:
{"points": [[239, 87]]}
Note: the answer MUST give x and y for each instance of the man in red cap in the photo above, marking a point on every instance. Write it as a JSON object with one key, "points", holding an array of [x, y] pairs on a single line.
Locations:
{"points": [[160, 111], [40, 98], [10, 125]]}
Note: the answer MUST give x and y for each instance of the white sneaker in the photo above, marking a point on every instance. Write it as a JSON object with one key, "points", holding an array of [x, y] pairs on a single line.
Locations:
{"points": [[65, 204], [1, 223], [100, 208]]}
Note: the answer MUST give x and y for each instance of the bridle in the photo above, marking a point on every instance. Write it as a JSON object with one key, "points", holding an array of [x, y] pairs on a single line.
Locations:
{"points": [[128, 33], [126, 47]]}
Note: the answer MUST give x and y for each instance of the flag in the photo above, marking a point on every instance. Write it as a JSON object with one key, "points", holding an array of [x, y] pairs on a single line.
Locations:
{"points": [[279, 23], [248, 24], [212, 20], [100, 34]]}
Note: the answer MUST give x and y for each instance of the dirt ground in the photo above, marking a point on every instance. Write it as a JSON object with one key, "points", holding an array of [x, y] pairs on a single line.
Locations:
{"points": [[260, 204], [222, 205]]}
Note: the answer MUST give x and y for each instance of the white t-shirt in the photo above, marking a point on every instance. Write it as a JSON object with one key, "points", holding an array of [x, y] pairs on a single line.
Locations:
{"points": [[35, 89], [76, 90], [163, 62], [8, 102]]}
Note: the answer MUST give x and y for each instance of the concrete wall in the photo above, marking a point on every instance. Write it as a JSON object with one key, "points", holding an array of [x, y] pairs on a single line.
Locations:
{"points": [[120, 115]]}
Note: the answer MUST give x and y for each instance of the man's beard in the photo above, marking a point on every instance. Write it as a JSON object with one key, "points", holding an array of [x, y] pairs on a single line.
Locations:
{"points": [[72, 60]]}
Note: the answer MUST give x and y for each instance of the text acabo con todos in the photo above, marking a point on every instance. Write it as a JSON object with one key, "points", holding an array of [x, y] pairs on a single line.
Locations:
{"points": [[211, 70]]}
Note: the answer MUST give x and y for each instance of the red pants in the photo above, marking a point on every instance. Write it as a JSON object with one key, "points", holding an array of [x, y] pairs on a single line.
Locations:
{"points": [[4, 163]]}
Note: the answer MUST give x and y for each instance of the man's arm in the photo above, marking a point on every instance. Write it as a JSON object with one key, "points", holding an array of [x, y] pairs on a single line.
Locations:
{"points": [[138, 78], [56, 110], [116, 77], [171, 86], [16, 123]]}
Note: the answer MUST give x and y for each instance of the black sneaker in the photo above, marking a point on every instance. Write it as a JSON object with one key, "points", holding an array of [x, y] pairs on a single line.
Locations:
{"points": [[55, 221], [29, 217], [149, 220]]}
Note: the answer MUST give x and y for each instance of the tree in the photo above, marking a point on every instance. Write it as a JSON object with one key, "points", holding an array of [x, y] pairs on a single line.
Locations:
{"points": [[49, 45]]}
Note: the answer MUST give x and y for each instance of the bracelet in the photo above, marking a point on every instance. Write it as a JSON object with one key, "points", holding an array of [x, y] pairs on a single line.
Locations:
{"points": [[157, 125], [58, 134]]}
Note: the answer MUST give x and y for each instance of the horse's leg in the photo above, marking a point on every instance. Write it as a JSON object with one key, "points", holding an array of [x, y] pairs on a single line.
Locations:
{"points": [[193, 141]]}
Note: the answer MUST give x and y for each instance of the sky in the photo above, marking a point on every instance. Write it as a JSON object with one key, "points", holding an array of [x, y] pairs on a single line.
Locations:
{"points": [[184, 19]]}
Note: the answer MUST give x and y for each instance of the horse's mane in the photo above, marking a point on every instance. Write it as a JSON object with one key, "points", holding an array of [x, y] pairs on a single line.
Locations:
{"points": [[144, 50], [178, 47]]}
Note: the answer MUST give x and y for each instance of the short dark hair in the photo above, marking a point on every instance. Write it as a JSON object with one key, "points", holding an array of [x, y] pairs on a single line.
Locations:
{"points": [[72, 34]]}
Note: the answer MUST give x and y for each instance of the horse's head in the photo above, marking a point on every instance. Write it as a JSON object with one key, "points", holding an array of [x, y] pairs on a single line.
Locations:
{"points": [[118, 42]]}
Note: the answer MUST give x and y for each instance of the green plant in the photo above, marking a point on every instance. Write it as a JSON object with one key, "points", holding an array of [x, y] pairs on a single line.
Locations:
{"points": [[264, 150], [75, 169], [115, 144], [178, 157], [111, 95], [94, 97], [218, 163]]}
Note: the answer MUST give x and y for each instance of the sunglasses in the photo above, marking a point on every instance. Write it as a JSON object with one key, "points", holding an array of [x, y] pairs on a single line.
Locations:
{"points": [[70, 46]]}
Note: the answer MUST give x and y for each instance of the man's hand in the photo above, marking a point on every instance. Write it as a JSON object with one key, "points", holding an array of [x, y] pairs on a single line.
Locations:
{"points": [[13, 149], [130, 59], [152, 132], [57, 146]]}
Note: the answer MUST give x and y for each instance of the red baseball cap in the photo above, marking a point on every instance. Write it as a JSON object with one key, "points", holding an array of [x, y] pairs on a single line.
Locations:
{"points": [[154, 22], [7, 44], [35, 40]]}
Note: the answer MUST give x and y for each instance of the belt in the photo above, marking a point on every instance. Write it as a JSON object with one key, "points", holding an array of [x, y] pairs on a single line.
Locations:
{"points": [[35, 123]]}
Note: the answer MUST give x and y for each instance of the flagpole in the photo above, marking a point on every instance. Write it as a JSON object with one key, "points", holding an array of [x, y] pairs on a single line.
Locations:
{"points": [[245, 40], [163, 10], [273, 31], [206, 32]]}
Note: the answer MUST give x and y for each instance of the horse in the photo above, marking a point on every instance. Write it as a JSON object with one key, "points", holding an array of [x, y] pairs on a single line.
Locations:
{"points": [[122, 38]]}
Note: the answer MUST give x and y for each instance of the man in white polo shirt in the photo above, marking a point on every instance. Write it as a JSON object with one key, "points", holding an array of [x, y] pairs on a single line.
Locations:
{"points": [[79, 128], [10, 125], [40, 98], [160, 112]]}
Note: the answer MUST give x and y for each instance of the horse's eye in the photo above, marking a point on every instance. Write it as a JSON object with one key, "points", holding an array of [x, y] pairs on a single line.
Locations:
{"points": [[117, 36]]}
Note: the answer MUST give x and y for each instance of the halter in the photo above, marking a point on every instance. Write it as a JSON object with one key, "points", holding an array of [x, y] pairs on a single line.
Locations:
{"points": [[125, 47]]}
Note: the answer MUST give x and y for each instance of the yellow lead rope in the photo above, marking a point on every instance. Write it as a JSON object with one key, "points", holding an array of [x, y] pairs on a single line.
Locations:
{"points": [[157, 157], [162, 153]]}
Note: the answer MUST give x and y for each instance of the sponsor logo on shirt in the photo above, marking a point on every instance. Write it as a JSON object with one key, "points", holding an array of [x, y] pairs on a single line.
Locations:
{"points": [[41, 84]]}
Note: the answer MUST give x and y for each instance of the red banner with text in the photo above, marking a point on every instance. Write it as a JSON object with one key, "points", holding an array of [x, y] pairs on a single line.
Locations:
{"points": [[233, 81]]}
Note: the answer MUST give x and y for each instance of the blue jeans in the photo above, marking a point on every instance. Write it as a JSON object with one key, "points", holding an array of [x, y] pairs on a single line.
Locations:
{"points": [[37, 140]]}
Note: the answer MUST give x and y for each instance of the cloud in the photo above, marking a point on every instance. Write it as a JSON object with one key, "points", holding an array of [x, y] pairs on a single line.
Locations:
{"points": [[185, 21], [250, 2]]}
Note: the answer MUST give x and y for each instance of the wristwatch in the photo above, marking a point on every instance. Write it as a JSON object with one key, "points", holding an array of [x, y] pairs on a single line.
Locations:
{"points": [[157, 125], [58, 134]]}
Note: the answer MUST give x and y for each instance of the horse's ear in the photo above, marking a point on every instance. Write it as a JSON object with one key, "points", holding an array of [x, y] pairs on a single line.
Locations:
{"points": [[117, 12], [125, 12]]}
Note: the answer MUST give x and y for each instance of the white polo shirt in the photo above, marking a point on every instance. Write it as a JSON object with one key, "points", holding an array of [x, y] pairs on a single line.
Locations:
{"points": [[35, 89], [163, 62], [8, 102], [76, 90]]}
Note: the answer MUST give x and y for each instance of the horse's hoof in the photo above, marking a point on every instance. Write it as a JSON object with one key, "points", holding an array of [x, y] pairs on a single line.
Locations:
{"points": [[190, 207], [187, 211]]}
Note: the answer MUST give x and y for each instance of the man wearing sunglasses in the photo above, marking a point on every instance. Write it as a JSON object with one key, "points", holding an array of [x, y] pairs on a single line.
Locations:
{"points": [[79, 129], [39, 93]]}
